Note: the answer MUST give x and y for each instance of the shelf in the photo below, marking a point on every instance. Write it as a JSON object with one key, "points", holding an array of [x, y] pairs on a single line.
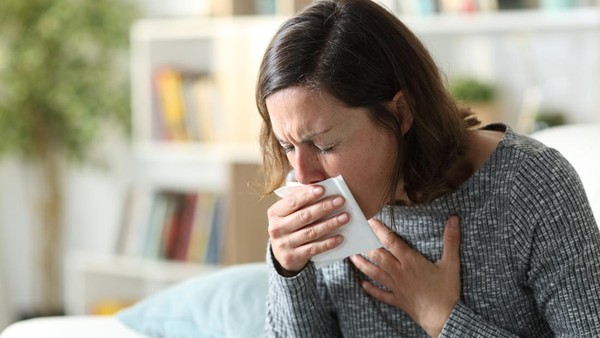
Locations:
{"points": [[162, 271], [196, 152], [194, 28], [91, 279], [509, 21], [190, 166]]}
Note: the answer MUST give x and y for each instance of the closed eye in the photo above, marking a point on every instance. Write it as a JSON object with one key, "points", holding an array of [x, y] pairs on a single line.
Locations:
{"points": [[325, 150], [287, 147]]}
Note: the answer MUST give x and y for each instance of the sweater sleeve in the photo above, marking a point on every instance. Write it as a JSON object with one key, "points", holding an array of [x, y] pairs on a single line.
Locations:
{"points": [[557, 243], [297, 306], [465, 323]]}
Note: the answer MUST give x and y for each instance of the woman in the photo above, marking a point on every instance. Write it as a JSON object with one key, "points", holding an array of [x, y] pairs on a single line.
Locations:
{"points": [[485, 232]]}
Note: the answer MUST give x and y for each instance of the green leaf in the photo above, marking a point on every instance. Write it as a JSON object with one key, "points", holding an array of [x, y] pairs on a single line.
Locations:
{"points": [[60, 76]]}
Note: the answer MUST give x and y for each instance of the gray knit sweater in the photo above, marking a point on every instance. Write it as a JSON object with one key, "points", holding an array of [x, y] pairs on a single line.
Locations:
{"points": [[530, 259]]}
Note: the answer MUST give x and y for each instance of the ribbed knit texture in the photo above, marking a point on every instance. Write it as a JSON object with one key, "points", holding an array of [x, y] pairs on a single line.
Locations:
{"points": [[530, 259]]}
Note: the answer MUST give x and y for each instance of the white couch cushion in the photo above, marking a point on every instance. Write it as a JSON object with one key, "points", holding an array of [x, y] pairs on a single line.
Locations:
{"points": [[70, 327]]}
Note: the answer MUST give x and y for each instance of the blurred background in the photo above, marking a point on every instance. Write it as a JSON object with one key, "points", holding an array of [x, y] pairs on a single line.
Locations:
{"points": [[128, 130]]}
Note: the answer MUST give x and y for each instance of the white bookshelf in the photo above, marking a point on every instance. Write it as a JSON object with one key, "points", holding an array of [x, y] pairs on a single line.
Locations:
{"points": [[227, 49]]}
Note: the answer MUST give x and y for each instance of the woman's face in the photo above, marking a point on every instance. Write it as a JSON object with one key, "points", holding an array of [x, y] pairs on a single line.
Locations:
{"points": [[323, 138]]}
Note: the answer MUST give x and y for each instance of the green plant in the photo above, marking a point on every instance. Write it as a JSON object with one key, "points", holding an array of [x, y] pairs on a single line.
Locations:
{"points": [[60, 82], [549, 117], [469, 89]]}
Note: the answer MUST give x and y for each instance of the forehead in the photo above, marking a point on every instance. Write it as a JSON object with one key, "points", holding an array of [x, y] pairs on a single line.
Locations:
{"points": [[301, 101], [299, 110]]}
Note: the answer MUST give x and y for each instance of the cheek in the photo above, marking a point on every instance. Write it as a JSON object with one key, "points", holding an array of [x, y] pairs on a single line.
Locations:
{"points": [[368, 182], [370, 195], [371, 178]]}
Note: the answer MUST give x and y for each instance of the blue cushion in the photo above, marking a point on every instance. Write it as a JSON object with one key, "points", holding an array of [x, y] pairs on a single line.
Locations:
{"points": [[226, 303]]}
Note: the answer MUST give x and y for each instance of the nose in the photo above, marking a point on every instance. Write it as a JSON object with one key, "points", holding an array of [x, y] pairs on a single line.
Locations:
{"points": [[307, 167]]}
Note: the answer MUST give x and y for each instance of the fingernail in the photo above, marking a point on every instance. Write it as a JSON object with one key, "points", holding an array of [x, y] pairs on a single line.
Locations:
{"points": [[317, 190], [342, 218], [338, 201]]}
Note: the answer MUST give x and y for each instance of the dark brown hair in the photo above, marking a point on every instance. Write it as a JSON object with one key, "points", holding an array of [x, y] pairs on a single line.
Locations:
{"points": [[363, 55]]}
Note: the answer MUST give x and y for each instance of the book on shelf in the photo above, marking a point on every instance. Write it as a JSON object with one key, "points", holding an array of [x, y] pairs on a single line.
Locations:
{"points": [[186, 106], [182, 226], [161, 213], [201, 228], [217, 234], [179, 235], [109, 306], [136, 206], [170, 91], [427, 7]]}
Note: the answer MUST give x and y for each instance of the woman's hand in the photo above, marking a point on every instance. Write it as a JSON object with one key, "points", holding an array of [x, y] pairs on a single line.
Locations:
{"points": [[427, 292], [297, 230]]}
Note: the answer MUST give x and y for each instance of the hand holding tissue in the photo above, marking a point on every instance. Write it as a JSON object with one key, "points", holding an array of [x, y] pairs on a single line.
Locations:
{"points": [[358, 236]]}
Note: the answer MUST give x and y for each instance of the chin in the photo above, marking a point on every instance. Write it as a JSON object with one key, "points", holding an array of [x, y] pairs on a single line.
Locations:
{"points": [[369, 213]]}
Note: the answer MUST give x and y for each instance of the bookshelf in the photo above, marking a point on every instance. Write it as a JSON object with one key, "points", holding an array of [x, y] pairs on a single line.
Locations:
{"points": [[195, 125], [224, 54], [173, 167]]}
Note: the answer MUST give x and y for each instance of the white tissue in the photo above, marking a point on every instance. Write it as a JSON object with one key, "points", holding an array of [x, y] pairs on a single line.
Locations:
{"points": [[358, 235]]}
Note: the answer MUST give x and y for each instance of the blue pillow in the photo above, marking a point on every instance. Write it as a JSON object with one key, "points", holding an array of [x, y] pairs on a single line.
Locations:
{"points": [[226, 303]]}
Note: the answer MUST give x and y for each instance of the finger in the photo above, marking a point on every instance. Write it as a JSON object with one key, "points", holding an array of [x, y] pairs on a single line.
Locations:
{"points": [[451, 253], [317, 247], [378, 293], [296, 200], [284, 226], [371, 270], [312, 213], [389, 239], [385, 260], [318, 230]]}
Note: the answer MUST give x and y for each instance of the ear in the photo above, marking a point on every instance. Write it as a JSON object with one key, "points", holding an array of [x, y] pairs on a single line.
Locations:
{"points": [[399, 106]]}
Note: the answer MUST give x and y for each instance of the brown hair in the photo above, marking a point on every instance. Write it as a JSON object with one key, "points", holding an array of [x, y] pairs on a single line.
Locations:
{"points": [[363, 55]]}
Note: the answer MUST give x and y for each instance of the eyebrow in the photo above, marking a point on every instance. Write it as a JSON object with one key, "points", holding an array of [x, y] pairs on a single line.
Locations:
{"points": [[306, 138]]}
